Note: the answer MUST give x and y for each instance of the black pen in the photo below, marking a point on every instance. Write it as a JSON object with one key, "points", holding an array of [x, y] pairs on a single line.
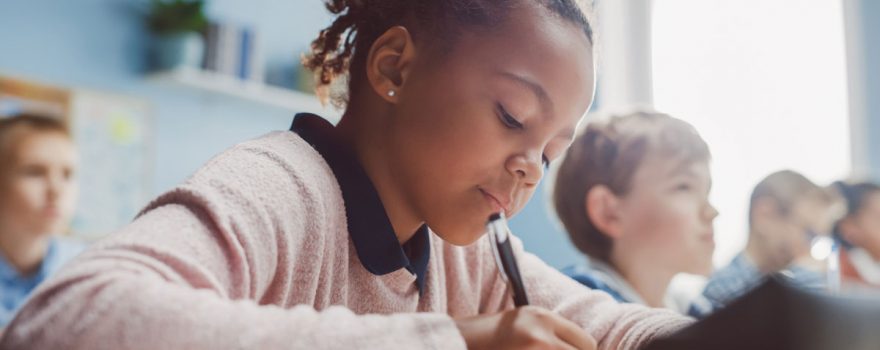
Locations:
{"points": [[500, 237]]}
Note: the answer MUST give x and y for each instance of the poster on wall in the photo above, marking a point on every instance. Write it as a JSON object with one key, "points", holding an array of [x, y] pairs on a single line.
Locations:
{"points": [[113, 136]]}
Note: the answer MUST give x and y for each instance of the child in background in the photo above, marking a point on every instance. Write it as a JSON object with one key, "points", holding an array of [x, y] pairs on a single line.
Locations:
{"points": [[632, 193], [859, 233], [786, 211], [37, 196], [369, 234]]}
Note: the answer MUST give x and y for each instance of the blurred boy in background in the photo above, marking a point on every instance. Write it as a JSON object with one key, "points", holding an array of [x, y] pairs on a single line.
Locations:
{"points": [[38, 161], [632, 193], [786, 211]]}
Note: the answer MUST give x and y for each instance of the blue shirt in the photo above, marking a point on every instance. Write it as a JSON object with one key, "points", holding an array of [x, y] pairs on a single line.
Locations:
{"points": [[598, 279], [599, 276], [15, 289], [741, 276]]}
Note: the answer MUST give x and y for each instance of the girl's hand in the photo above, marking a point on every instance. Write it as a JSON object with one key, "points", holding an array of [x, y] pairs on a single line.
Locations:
{"points": [[527, 327]]}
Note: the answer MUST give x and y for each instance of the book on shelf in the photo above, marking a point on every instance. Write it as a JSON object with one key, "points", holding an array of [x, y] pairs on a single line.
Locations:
{"points": [[234, 50]]}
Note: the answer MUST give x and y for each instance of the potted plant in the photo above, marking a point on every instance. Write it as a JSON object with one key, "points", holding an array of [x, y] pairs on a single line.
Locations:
{"points": [[177, 27]]}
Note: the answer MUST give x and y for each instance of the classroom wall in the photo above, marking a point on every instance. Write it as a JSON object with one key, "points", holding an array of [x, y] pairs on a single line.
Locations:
{"points": [[101, 44]]}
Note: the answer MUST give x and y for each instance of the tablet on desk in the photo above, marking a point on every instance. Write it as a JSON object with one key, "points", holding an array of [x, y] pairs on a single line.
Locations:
{"points": [[779, 316]]}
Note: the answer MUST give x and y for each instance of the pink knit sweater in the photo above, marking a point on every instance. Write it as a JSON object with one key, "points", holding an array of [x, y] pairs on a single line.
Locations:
{"points": [[253, 252]]}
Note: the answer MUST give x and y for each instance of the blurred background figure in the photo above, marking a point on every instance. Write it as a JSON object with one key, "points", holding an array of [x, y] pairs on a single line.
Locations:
{"points": [[787, 211], [38, 192], [859, 234], [633, 193]]}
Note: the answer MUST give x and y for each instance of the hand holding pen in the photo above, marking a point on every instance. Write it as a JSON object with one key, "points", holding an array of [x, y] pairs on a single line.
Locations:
{"points": [[524, 327]]}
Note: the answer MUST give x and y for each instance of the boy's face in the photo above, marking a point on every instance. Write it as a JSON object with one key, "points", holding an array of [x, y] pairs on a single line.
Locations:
{"points": [[666, 217], [867, 223], [470, 131], [38, 190], [812, 214], [779, 238]]}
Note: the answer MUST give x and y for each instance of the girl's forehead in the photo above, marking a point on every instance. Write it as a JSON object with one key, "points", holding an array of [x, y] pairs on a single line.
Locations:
{"points": [[552, 53]]}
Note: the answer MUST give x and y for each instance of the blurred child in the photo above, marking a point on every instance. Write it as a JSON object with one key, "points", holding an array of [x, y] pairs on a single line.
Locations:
{"points": [[37, 196], [632, 192], [786, 211], [859, 231], [369, 234]]}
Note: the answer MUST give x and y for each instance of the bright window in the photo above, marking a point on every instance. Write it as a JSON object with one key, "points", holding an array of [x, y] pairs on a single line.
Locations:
{"points": [[764, 82]]}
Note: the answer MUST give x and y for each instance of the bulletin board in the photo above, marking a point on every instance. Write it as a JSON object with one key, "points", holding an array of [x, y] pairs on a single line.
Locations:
{"points": [[113, 133]]}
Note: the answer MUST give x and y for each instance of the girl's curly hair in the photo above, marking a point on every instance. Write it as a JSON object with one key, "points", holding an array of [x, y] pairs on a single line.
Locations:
{"points": [[341, 48]]}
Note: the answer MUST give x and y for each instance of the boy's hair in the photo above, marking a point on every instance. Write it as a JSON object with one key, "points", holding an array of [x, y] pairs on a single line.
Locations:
{"points": [[786, 188], [608, 153], [15, 129], [342, 47], [855, 195]]}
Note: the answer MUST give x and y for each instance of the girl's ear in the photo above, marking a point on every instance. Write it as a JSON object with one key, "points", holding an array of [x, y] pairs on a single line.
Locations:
{"points": [[602, 208], [389, 62]]}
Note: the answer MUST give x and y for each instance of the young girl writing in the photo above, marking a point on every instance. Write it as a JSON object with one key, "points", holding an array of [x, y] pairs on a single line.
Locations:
{"points": [[632, 193], [368, 234]]}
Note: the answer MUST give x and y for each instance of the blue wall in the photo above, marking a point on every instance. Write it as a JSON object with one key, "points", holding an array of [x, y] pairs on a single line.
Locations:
{"points": [[101, 44]]}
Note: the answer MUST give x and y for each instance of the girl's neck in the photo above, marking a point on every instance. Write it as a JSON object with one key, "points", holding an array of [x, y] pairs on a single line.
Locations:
{"points": [[366, 135], [24, 251], [647, 278]]}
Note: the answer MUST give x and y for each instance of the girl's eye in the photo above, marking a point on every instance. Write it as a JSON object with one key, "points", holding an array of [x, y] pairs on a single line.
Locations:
{"points": [[511, 122], [683, 187], [508, 120]]}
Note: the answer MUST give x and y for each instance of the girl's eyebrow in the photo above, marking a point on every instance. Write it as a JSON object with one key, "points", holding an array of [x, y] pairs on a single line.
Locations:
{"points": [[541, 93], [536, 88]]}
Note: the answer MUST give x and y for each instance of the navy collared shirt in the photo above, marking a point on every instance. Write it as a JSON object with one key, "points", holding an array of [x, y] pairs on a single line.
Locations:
{"points": [[368, 224]]}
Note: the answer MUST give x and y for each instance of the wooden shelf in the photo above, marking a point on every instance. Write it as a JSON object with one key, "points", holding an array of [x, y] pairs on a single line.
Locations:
{"points": [[230, 86]]}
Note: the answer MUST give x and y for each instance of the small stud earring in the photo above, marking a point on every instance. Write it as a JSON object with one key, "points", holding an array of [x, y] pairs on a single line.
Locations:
{"points": [[391, 93]]}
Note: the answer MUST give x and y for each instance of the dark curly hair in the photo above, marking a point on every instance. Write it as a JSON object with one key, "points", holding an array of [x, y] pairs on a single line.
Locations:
{"points": [[342, 47]]}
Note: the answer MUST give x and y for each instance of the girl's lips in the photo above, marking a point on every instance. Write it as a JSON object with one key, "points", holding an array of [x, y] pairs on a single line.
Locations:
{"points": [[496, 204]]}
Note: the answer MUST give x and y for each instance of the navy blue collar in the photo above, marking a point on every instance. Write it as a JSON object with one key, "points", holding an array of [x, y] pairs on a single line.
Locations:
{"points": [[368, 224]]}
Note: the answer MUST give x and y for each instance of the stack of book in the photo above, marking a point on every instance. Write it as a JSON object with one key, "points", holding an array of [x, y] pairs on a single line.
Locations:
{"points": [[234, 50]]}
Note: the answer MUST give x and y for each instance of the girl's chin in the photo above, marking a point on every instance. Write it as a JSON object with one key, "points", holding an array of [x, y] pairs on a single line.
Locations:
{"points": [[462, 239]]}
